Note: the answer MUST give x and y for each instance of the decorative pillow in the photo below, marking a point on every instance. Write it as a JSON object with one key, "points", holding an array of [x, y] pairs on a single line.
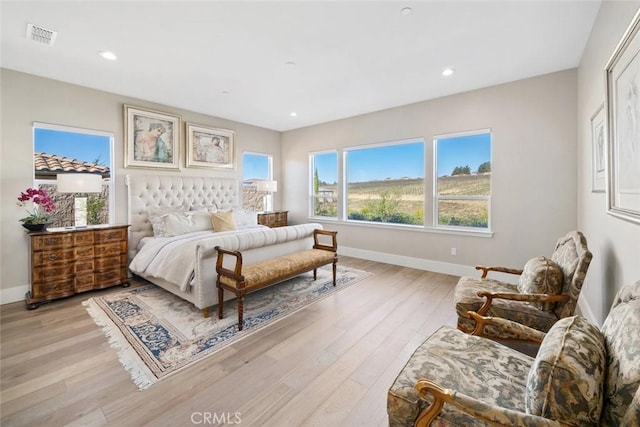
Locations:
{"points": [[566, 379], [176, 224], [156, 217], [541, 276], [223, 221], [245, 217]]}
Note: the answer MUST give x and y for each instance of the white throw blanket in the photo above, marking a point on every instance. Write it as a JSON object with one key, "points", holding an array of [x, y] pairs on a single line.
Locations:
{"points": [[173, 259]]}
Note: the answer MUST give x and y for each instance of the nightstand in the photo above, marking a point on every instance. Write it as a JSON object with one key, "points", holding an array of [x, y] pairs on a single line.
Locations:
{"points": [[273, 219], [65, 262]]}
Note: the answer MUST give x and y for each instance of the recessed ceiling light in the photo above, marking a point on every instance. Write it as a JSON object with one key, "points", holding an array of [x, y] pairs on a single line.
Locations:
{"points": [[448, 71], [290, 64], [293, 114], [406, 11], [224, 92], [108, 55]]}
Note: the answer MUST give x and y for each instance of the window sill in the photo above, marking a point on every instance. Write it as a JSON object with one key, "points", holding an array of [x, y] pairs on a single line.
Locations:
{"points": [[404, 227]]}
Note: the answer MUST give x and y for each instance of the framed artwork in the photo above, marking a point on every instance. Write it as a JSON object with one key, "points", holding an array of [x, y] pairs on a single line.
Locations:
{"points": [[209, 148], [152, 139], [598, 135], [622, 74]]}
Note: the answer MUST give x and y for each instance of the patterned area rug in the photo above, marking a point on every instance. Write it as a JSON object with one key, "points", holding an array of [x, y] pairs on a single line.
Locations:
{"points": [[158, 333]]}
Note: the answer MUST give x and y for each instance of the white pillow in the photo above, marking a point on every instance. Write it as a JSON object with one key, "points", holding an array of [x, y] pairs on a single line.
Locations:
{"points": [[245, 217], [176, 224], [156, 217]]}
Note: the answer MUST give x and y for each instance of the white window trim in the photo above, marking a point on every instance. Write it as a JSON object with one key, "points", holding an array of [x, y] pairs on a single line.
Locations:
{"points": [[437, 198], [311, 201], [112, 176]]}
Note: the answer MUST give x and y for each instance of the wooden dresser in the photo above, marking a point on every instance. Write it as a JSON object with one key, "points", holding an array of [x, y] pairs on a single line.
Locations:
{"points": [[273, 219], [67, 262]]}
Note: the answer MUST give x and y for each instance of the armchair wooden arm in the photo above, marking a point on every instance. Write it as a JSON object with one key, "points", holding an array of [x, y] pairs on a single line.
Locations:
{"points": [[519, 331], [478, 409], [516, 296], [486, 270]]}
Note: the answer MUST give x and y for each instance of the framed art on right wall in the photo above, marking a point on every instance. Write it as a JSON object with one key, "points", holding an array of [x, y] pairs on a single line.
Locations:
{"points": [[622, 75], [598, 147]]}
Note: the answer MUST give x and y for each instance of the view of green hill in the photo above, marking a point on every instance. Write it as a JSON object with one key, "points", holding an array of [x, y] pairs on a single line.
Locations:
{"points": [[401, 200]]}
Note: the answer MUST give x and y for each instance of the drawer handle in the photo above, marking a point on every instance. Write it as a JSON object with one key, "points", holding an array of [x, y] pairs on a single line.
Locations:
{"points": [[51, 241], [53, 257], [52, 288]]}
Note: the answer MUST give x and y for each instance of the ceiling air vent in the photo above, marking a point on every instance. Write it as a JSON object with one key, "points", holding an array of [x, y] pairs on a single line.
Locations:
{"points": [[41, 35]]}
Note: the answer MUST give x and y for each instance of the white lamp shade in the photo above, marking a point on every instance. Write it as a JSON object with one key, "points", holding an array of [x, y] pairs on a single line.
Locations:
{"points": [[267, 186], [79, 183]]}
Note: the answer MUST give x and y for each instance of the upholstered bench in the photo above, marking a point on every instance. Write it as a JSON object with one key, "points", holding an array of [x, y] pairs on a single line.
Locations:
{"points": [[244, 279]]}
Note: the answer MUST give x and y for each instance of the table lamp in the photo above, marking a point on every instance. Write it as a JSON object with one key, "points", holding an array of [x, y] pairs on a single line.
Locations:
{"points": [[267, 187], [79, 183]]}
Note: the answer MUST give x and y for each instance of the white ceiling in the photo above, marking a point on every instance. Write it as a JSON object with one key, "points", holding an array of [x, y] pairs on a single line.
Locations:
{"points": [[350, 57]]}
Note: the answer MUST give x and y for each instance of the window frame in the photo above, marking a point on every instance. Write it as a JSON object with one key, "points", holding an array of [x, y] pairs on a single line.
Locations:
{"points": [[345, 181], [437, 198], [312, 196], [111, 183]]}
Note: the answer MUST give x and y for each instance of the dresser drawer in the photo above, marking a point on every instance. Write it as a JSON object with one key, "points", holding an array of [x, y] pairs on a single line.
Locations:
{"points": [[51, 257], [110, 277], [84, 238], [110, 249], [53, 289], [51, 274], [55, 241], [84, 282], [108, 263], [84, 252], [85, 265], [117, 235]]}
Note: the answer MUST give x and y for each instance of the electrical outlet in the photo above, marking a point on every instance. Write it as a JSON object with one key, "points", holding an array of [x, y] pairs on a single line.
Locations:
{"points": [[453, 251]]}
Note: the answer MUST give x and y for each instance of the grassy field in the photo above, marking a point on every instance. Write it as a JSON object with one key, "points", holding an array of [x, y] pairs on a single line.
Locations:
{"points": [[404, 199]]}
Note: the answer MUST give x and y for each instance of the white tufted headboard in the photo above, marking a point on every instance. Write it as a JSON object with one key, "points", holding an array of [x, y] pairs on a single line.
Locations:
{"points": [[146, 192]]}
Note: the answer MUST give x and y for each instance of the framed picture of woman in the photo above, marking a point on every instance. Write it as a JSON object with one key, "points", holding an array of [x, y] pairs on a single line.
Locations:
{"points": [[152, 139], [209, 147]]}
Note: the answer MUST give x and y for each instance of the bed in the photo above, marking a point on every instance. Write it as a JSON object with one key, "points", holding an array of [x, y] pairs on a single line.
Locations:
{"points": [[184, 262]]}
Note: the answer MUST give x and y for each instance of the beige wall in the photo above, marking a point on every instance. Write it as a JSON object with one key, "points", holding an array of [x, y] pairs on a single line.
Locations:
{"points": [[26, 99], [533, 123], [615, 243]]}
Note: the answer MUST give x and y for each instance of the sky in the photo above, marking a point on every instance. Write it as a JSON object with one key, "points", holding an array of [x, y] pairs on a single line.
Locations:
{"points": [[255, 166], [406, 160], [79, 146], [394, 161]]}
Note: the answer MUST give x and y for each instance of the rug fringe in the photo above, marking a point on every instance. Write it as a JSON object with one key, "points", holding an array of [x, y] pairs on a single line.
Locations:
{"points": [[140, 374]]}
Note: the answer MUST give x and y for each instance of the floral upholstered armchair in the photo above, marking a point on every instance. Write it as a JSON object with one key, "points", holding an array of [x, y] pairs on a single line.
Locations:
{"points": [[581, 376], [547, 290]]}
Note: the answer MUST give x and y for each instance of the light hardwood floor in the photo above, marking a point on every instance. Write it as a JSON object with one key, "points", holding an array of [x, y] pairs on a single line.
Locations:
{"points": [[329, 364]]}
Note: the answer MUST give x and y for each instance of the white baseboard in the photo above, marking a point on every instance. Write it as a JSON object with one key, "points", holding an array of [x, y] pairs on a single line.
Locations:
{"points": [[422, 264], [14, 294]]}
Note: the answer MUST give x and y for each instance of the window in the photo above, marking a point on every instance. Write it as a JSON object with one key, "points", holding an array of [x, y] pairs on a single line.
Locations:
{"points": [[63, 149], [463, 183], [324, 184], [256, 167], [385, 183]]}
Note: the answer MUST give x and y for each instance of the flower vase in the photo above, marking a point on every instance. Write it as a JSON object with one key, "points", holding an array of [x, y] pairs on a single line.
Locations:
{"points": [[35, 227]]}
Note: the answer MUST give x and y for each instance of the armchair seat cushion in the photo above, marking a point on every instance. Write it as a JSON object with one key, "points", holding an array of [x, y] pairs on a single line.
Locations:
{"points": [[466, 299], [466, 363]]}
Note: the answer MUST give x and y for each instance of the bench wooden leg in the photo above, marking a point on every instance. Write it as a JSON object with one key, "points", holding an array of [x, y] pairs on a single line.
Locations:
{"points": [[220, 302], [205, 312], [334, 273], [240, 311], [315, 273]]}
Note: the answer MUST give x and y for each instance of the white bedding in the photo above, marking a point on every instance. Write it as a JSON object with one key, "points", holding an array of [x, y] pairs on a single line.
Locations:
{"points": [[173, 259]]}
